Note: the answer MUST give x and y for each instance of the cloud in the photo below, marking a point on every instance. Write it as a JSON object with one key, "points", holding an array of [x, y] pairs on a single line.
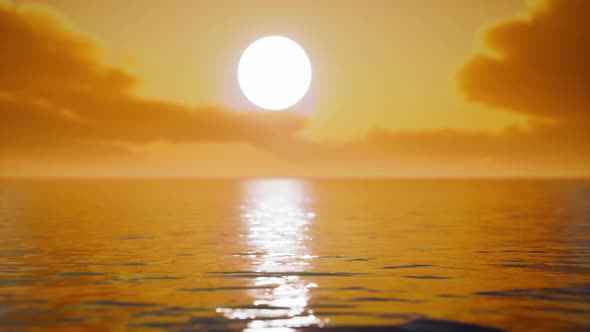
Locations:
{"points": [[544, 150], [536, 66], [56, 95]]}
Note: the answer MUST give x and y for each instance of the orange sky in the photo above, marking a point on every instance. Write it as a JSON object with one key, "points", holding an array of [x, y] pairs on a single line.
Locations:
{"points": [[400, 88], [395, 60]]}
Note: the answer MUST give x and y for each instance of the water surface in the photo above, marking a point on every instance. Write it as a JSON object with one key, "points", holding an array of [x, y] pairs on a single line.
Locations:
{"points": [[285, 254]]}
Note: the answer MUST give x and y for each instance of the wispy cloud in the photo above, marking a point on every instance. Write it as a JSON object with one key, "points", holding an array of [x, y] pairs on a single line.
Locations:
{"points": [[56, 95]]}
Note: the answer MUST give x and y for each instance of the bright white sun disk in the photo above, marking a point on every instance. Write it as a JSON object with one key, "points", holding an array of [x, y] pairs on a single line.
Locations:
{"points": [[274, 73]]}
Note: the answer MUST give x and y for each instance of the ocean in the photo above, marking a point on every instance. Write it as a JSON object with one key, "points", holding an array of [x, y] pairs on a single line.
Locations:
{"points": [[294, 254]]}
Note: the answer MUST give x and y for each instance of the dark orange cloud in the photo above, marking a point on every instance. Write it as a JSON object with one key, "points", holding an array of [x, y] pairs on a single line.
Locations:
{"points": [[538, 66], [57, 95]]}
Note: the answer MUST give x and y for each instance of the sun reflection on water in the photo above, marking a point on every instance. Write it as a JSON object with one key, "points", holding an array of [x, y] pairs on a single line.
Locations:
{"points": [[278, 232]]}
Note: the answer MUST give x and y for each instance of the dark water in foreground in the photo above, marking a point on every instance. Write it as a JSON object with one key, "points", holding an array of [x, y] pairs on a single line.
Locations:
{"points": [[271, 255]]}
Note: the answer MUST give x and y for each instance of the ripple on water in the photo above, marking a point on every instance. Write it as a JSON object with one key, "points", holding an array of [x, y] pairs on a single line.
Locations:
{"points": [[428, 277], [412, 266]]}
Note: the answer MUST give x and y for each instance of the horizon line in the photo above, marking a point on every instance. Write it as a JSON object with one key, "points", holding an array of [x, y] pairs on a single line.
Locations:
{"points": [[242, 178]]}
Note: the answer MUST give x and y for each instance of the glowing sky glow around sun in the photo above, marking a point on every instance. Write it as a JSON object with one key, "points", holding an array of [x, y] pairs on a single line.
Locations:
{"points": [[274, 73]]}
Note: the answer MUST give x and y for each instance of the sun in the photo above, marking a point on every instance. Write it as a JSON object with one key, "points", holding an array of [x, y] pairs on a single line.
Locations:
{"points": [[274, 73]]}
